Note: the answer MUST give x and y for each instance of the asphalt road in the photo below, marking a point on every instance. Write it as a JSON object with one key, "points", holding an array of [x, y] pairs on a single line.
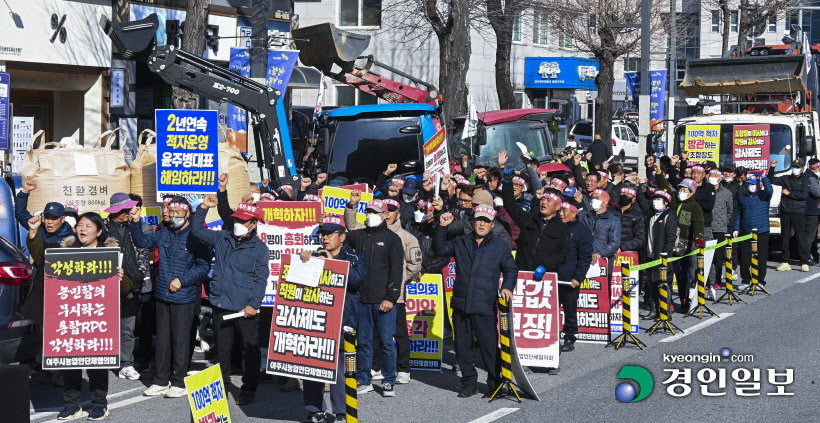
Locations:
{"points": [[778, 332]]}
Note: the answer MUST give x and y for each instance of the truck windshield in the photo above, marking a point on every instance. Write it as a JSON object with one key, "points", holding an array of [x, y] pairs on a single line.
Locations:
{"points": [[505, 136], [363, 148], [777, 147]]}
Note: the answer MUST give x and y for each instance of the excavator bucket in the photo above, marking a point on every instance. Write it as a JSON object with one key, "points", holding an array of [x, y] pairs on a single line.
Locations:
{"points": [[323, 45], [745, 75]]}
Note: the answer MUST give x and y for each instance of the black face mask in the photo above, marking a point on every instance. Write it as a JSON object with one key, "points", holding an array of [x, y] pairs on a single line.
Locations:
{"points": [[624, 201]]}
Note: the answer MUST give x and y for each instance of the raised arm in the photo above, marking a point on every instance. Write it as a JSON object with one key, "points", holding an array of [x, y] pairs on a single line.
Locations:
{"points": [[198, 228]]}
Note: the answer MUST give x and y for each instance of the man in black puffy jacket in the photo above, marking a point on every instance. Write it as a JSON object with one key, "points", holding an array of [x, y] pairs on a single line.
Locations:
{"points": [[792, 212], [633, 229], [573, 271], [482, 258]]}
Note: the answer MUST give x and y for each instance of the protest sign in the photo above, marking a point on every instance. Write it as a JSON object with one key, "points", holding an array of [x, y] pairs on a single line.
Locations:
{"points": [[335, 200], [360, 187], [307, 324], [81, 303], [208, 396], [289, 227], [536, 320], [702, 141], [187, 152], [436, 159], [751, 146], [425, 322], [593, 305], [449, 276], [21, 133], [616, 293]]}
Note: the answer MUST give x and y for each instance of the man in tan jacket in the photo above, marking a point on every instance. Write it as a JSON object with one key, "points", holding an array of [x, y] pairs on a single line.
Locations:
{"points": [[412, 267]]}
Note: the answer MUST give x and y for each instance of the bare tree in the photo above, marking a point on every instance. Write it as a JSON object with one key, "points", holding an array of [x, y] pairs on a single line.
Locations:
{"points": [[754, 14], [193, 41], [501, 16]]}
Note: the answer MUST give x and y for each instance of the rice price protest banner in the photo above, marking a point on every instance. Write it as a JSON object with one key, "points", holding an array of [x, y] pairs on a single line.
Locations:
{"points": [[187, 152], [208, 396], [751, 146], [425, 322], [307, 324], [335, 200], [536, 320], [616, 293], [436, 159], [289, 227], [702, 141], [81, 303], [593, 305]]}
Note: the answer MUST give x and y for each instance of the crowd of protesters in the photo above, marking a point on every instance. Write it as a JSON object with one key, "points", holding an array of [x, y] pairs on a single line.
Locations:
{"points": [[560, 217]]}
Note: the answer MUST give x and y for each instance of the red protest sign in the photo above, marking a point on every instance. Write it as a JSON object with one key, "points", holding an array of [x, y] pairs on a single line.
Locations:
{"points": [[536, 320], [751, 146], [307, 323], [360, 187], [593, 305], [81, 321]]}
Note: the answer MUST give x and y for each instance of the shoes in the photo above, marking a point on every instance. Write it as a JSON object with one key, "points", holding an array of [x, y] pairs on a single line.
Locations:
{"points": [[156, 390], [569, 345], [718, 287], [467, 391], [245, 397], [741, 287], [317, 417], [176, 392], [364, 388], [387, 390], [292, 385], [129, 373], [374, 375], [457, 370], [70, 412], [265, 377], [403, 377], [653, 311], [710, 294], [98, 412], [341, 418], [784, 267], [804, 268], [554, 371]]}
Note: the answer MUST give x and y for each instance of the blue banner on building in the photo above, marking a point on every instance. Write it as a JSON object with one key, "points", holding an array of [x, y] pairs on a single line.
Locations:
{"points": [[187, 152], [657, 93], [560, 73], [5, 113], [240, 63]]}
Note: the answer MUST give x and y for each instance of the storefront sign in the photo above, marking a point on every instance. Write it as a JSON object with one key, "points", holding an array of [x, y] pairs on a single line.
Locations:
{"points": [[560, 73]]}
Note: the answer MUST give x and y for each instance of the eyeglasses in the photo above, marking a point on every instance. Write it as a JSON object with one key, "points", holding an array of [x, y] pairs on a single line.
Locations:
{"points": [[464, 200], [518, 185]]}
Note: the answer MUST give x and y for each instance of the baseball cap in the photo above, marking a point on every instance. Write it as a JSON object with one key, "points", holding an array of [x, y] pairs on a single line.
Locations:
{"points": [[268, 196], [799, 163], [659, 193], [410, 186], [483, 198], [332, 223], [119, 201], [56, 209], [689, 184], [570, 191], [71, 208], [602, 193], [392, 205], [247, 211], [487, 212], [753, 178], [336, 183], [377, 206]]}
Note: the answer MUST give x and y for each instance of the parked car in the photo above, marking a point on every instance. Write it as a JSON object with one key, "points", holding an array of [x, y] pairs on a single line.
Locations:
{"points": [[580, 135], [624, 141]]}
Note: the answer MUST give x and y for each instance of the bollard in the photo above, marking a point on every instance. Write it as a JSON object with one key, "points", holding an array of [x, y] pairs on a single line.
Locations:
{"points": [[701, 290], [351, 390], [664, 318], [626, 327], [755, 285], [730, 288], [506, 350]]}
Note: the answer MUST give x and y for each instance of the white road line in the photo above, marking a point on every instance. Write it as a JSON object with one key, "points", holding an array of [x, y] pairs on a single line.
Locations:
{"points": [[495, 415], [118, 404], [44, 412], [810, 278], [697, 327]]}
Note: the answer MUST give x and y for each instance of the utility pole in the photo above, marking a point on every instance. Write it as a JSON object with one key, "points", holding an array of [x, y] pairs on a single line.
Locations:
{"points": [[259, 39], [644, 99], [673, 70]]}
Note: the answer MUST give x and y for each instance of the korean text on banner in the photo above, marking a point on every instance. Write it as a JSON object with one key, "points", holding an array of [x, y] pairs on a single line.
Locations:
{"points": [[237, 119], [449, 275], [593, 305], [81, 321], [616, 293], [335, 200], [5, 113], [425, 322], [187, 152], [536, 320], [208, 396], [657, 94], [288, 228], [307, 323], [21, 133], [751, 146], [436, 159], [702, 142]]}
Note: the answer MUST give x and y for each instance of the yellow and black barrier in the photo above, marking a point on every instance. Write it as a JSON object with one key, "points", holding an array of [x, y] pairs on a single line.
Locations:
{"points": [[657, 262], [730, 283], [626, 327], [701, 290], [351, 390], [755, 285], [506, 350], [664, 315]]}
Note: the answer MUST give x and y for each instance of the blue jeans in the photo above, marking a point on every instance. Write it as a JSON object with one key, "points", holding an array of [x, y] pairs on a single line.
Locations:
{"points": [[373, 322]]}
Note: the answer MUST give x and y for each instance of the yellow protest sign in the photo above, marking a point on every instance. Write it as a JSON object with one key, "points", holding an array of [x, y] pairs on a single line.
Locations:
{"points": [[208, 396], [334, 200], [425, 322], [702, 142]]}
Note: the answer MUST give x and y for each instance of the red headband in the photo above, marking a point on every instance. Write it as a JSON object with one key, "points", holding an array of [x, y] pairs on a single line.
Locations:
{"points": [[570, 207]]}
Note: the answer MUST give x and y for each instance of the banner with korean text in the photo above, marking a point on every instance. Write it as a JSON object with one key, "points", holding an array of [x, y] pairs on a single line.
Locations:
{"points": [[208, 396], [81, 303], [702, 143], [425, 322], [593, 305], [751, 146], [616, 293], [307, 323], [335, 200], [289, 227], [449, 276], [187, 152], [436, 159], [536, 320]]}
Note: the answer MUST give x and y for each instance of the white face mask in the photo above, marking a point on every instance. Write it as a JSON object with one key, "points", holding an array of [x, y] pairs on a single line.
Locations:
{"points": [[239, 229], [816, 173], [796, 172], [597, 204], [683, 196], [178, 222], [498, 202], [419, 216], [71, 221], [658, 204], [728, 180], [255, 196], [714, 181], [372, 220], [753, 188]]}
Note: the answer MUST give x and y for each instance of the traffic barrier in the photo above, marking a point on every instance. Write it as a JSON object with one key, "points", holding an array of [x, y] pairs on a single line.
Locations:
{"points": [[351, 390], [626, 332], [750, 290], [506, 357], [701, 290], [663, 321], [730, 289]]}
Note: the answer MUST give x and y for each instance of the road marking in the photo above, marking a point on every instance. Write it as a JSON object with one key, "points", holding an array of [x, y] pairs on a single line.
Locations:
{"points": [[116, 405], [697, 327], [45, 412], [810, 278], [495, 415]]}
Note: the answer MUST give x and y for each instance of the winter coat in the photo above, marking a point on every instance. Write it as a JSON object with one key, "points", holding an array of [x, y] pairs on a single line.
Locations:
{"points": [[463, 225], [813, 199], [410, 246], [22, 215], [633, 229], [242, 266], [795, 201], [182, 256], [753, 210], [600, 151], [135, 260], [223, 207], [662, 231], [383, 254], [144, 256], [475, 289], [541, 243], [705, 198], [606, 232], [734, 188], [688, 213], [430, 262], [33, 305], [724, 205], [580, 256]]}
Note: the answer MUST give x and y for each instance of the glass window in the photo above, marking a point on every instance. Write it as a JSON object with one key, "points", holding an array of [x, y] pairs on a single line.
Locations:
{"points": [[780, 142], [519, 99], [772, 23], [356, 13], [716, 21], [733, 19], [347, 96], [632, 64], [516, 36], [504, 136], [364, 147], [540, 26]]}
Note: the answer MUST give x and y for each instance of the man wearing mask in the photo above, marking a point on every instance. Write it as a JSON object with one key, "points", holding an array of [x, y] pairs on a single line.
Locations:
{"points": [[408, 199], [661, 232], [463, 216], [54, 229], [412, 270], [753, 213], [792, 213], [721, 215], [605, 228], [238, 285], [633, 230], [145, 314], [72, 214], [423, 229], [705, 198], [812, 207], [186, 261], [482, 259], [691, 230], [574, 270], [593, 179], [384, 256], [616, 172]]}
